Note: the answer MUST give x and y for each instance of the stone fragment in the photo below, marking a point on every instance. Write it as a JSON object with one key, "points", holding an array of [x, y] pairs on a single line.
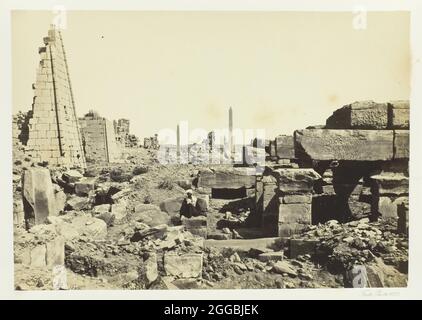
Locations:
{"points": [[84, 186], [61, 198], [271, 256], [119, 211], [78, 203], [187, 265], [403, 221], [151, 271], [38, 256], [91, 227], [387, 207], [282, 267], [227, 178], [55, 252], [150, 215], [360, 115], [357, 145], [72, 176], [38, 196], [172, 205], [393, 184]]}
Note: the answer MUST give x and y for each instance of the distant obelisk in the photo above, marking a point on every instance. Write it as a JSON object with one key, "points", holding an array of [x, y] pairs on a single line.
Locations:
{"points": [[178, 143], [231, 143]]}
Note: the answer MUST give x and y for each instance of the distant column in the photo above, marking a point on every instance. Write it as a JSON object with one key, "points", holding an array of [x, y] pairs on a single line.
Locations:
{"points": [[178, 142], [231, 142]]}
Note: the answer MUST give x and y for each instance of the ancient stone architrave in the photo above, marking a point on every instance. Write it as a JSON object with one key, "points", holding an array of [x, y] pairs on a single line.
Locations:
{"points": [[54, 134]]}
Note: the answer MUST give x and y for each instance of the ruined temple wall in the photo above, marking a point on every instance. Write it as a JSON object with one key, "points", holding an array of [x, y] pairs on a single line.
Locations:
{"points": [[54, 134], [99, 140]]}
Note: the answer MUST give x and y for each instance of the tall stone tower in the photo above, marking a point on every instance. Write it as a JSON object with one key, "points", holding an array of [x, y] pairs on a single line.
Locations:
{"points": [[54, 133]]}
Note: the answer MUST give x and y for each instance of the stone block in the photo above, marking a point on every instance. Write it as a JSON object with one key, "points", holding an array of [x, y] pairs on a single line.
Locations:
{"points": [[271, 256], [78, 203], [387, 207], [399, 114], [84, 186], [72, 176], [360, 115], [403, 221], [356, 145], [296, 180], [297, 198], [227, 178], [289, 229], [172, 205], [119, 211], [187, 265], [194, 222], [401, 144], [284, 145], [38, 196], [394, 184], [295, 213]]}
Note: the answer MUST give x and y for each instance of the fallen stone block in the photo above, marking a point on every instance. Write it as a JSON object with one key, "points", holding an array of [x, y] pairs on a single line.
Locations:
{"points": [[151, 270], [91, 227], [227, 178], [194, 222], [401, 144], [172, 205], [55, 252], [38, 256], [387, 207], [357, 145], [72, 176], [296, 180], [78, 203], [284, 267], [285, 147], [271, 256], [38, 196], [84, 186], [187, 265], [119, 211], [399, 114], [152, 215], [360, 115], [61, 198]]}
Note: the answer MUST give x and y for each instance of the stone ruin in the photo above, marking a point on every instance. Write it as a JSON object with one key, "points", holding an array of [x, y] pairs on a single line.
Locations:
{"points": [[54, 134], [98, 139], [123, 135]]}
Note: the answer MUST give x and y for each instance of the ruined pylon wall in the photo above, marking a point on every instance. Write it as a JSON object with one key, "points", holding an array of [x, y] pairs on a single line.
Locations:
{"points": [[54, 134], [99, 140]]}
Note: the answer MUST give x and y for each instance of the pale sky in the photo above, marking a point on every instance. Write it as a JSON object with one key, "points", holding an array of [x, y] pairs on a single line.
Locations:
{"points": [[279, 71]]}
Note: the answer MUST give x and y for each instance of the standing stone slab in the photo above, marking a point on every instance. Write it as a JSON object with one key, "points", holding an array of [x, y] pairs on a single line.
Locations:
{"points": [[38, 196], [360, 115], [357, 145], [399, 114]]}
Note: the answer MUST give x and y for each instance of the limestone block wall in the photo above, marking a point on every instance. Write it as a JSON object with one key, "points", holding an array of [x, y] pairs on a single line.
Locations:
{"points": [[54, 134], [99, 140]]}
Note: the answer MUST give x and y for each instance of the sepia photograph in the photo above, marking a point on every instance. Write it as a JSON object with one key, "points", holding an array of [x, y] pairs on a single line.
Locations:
{"points": [[210, 149]]}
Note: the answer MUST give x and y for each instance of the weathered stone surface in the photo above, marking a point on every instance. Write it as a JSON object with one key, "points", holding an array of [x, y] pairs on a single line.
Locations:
{"points": [[296, 180], [285, 147], [187, 265], [150, 215], [387, 206], [399, 114], [90, 227], [38, 196], [84, 186], [360, 115], [357, 145], [194, 222], [72, 176], [119, 211], [403, 221], [394, 184], [103, 212], [38, 256], [297, 198], [78, 203], [172, 205], [401, 144], [271, 256], [227, 178], [295, 213], [61, 198], [284, 266], [151, 271], [290, 229]]}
